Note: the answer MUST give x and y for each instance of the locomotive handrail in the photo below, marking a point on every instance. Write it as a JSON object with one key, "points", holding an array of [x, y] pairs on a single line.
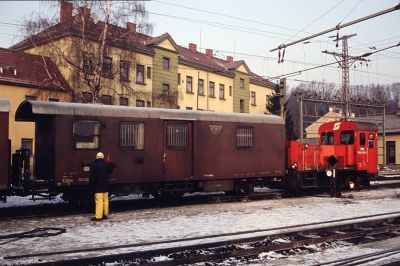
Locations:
{"points": [[30, 110]]}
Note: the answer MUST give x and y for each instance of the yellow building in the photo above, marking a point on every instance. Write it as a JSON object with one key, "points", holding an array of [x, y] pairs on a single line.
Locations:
{"points": [[23, 77], [131, 68], [312, 130]]}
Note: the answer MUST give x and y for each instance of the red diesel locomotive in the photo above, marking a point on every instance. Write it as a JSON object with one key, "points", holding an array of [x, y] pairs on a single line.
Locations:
{"points": [[167, 152], [348, 147]]}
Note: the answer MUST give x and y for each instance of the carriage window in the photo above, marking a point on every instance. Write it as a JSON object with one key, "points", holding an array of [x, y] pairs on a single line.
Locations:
{"points": [[327, 138], [362, 139], [244, 138], [86, 134], [371, 139], [347, 137], [131, 136], [177, 136]]}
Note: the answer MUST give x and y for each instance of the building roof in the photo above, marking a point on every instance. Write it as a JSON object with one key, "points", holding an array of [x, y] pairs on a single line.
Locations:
{"points": [[131, 39], [392, 122], [23, 69], [117, 36]]}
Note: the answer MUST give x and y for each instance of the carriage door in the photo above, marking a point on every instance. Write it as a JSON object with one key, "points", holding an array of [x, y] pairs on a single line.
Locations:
{"points": [[178, 150]]}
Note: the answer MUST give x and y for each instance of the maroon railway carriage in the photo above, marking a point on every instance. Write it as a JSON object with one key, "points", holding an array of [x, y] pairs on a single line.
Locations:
{"points": [[155, 151], [4, 146]]}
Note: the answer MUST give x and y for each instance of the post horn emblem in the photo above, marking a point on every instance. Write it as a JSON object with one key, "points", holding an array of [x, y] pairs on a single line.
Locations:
{"points": [[215, 129]]}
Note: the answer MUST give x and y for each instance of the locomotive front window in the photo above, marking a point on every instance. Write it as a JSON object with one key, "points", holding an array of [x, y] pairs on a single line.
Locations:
{"points": [[244, 138], [86, 134], [327, 138], [347, 137], [177, 136], [131, 136]]}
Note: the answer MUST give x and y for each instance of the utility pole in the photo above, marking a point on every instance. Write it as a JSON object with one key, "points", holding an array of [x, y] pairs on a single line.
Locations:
{"points": [[345, 61]]}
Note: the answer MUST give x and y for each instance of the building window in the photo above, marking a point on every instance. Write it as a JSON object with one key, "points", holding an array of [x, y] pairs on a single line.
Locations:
{"points": [[123, 101], [148, 104], [27, 144], [165, 89], [30, 98], [106, 69], [222, 91], [87, 97], [148, 72], [230, 90], [106, 99], [179, 78], [165, 63], [124, 71], [88, 63], [189, 83], [200, 88], [211, 89], [140, 103], [86, 134], [131, 136], [244, 137], [54, 100], [241, 106], [177, 136], [140, 74], [241, 83], [253, 98]]}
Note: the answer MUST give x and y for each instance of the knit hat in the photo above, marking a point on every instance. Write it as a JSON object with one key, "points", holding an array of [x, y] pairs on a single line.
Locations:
{"points": [[99, 155]]}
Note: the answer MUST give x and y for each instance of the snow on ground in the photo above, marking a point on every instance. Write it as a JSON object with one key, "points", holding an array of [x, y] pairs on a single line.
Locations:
{"points": [[158, 224]]}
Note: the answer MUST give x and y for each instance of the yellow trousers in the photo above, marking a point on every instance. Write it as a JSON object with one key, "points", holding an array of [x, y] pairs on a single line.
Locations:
{"points": [[101, 200]]}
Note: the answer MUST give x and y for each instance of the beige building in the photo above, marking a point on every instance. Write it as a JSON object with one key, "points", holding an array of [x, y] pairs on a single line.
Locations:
{"points": [[312, 130]]}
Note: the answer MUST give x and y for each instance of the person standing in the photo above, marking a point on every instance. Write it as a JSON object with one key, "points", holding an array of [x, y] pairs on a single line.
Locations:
{"points": [[99, 173]]}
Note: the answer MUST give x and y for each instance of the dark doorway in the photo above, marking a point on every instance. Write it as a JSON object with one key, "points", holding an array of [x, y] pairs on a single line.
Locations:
{"points": [[390, 152]]}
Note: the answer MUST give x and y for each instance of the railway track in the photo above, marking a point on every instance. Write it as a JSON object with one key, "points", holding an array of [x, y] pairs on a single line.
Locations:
{"points": [[242, 245]]}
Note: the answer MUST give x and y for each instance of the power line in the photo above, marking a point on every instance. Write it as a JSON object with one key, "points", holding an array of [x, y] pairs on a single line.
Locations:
{"points": [[339, 26]]}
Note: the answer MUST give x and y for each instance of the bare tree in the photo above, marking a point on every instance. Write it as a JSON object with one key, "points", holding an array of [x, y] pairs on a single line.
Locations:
{"points": [[89, 44]]}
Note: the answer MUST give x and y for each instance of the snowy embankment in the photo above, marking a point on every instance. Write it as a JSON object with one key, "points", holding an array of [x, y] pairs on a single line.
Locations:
{"points": [[150, 225]]}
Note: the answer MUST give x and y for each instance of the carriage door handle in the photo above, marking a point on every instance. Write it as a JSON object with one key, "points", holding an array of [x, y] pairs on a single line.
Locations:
{"points": [[164, 156]]}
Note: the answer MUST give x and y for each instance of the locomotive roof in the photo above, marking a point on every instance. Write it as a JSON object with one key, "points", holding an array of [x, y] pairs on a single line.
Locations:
{"points": [[30, 110], [360, 125], [4, 105]]}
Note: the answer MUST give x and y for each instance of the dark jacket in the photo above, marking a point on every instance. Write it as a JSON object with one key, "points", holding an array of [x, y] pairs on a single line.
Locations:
{"points": [[99, 172]]}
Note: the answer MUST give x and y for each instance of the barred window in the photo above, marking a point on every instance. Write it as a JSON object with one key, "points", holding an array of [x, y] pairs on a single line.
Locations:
{"points": [[244, 137], [86, 134], [177, 136], [131, 136]]}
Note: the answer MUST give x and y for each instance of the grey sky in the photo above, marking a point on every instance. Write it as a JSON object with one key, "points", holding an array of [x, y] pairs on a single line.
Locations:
{"points": [[253, 27]]}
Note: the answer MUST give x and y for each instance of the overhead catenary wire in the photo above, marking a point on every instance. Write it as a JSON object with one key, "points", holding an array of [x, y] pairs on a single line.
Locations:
{"points": [[337, 27]]}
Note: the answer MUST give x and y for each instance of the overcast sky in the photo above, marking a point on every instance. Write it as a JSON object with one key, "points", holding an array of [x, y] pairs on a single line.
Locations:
{"points": [[249, 29]]}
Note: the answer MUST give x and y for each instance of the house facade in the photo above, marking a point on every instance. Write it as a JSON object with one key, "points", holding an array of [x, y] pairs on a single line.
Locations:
{"points": [[131, 68]]}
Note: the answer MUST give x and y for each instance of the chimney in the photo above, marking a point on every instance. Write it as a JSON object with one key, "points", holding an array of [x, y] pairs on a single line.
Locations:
{"points": [[229, 59], [192, 47], [84, 11], [131, 27], [65, 11], [209, 52]]}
